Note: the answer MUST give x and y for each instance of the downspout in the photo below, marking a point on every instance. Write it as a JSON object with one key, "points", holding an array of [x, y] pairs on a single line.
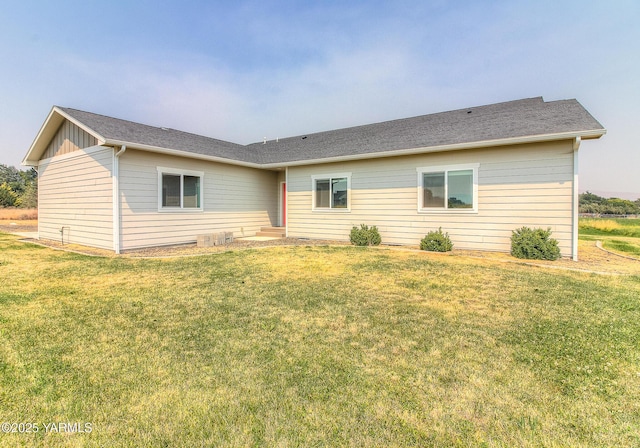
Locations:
{"points": [[286, 198], [37, 169], [116, 197], [576, 204]]}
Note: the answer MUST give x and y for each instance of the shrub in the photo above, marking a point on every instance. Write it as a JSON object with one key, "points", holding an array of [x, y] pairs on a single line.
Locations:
{"points": [[365, 236], [436, 241], [534, 244]]}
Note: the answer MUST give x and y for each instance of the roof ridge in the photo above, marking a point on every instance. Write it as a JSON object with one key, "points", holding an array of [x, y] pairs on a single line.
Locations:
{"points": [[538, 99]]}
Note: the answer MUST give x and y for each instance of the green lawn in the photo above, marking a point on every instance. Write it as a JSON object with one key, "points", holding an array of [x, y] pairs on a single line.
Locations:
{"points": [[315, 346], [617, 235]]}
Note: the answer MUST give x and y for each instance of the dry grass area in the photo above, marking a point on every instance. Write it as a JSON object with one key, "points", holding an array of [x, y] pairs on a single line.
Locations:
{"points": [[592, 259], [316, 346], [18, 214], [18, 220]]}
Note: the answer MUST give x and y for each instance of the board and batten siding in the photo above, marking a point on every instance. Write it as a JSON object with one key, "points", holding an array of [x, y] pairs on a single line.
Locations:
{"points": [[69, 138], [236, 199], [523, 185], [75, 193]]}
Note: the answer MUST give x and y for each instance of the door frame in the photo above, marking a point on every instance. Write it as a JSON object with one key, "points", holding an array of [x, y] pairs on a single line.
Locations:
{"points": [[282, 204]]}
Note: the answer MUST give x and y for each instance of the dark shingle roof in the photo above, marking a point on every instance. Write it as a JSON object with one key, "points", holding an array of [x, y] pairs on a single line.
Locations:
{"points": [[502, 121], [142, 134], [522, 118]]}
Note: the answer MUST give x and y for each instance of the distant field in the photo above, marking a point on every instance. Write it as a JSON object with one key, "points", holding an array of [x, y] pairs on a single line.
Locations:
{"points": [[618, 235], [21, 214]]}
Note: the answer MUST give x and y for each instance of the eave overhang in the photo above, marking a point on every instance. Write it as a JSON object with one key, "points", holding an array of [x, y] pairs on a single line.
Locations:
{"points": [[584, 135], [180, 153]]}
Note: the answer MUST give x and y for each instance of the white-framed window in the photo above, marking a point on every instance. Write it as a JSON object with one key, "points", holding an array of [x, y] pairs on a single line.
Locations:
{"points": [[450, 189], [331, 192], [180, 190]]}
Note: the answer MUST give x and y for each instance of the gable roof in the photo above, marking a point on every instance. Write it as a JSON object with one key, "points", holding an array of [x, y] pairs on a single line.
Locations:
{"points": [[116, 132], [520, 121]]}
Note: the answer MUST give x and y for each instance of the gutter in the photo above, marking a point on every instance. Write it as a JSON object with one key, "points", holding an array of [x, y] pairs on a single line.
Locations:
{"points": [[583, 135], [177, 152], [116, 197]]}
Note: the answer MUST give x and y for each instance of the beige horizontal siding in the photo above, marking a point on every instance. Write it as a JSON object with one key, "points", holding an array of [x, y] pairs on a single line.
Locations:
{"points": [[526, 185], [75, 192], [236, 199]]}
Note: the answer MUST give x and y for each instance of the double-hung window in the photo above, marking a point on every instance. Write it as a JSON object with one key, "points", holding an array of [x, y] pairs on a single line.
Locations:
{"points": [[179, 190], [331, 192], [451, 188]]}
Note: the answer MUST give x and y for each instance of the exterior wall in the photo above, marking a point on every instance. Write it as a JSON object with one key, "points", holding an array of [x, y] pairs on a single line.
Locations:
{"points": [[524, 185], [69, 138], [236, 199], [75, 192]]}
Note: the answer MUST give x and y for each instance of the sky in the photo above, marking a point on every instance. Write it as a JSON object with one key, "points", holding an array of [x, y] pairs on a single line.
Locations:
{"points": [[244, 70]]}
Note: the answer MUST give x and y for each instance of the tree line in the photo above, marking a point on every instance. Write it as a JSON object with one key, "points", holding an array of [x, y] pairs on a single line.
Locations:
{"points": [[592, 203], [18, 188]]}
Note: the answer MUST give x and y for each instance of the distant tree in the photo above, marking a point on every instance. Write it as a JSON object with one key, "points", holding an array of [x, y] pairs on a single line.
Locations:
{"points": [[18, 188], [8, 197], [11, 176], [29, 197], [590, 198], [616, 206], [592, 203]]}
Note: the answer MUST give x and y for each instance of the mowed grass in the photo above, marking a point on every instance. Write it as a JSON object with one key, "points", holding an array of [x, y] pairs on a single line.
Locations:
{"points": [[617, 235], [606, 226], [315, 346]]}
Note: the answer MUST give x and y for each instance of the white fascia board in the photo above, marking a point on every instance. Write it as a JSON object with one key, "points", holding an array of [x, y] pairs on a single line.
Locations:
{"points": [[443, 148], [179, 153], [26, 160], [84, 127]]}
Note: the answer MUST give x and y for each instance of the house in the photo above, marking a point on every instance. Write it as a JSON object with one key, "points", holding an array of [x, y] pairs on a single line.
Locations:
{"points": [[478, 173]]}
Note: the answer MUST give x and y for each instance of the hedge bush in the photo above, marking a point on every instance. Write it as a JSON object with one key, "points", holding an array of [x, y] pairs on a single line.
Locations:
{"points": [[534, 244], [436, 241], [365, 236]]}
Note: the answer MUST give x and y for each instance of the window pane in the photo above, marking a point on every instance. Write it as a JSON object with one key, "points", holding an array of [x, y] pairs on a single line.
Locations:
{"points": [[322, 193], [339, 191], [170, 190], [191, 192], [433, 184], [460, 190]]}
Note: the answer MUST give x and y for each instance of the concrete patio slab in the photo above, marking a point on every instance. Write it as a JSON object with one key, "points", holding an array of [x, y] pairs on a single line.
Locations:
{"points": [[258, 238]]}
